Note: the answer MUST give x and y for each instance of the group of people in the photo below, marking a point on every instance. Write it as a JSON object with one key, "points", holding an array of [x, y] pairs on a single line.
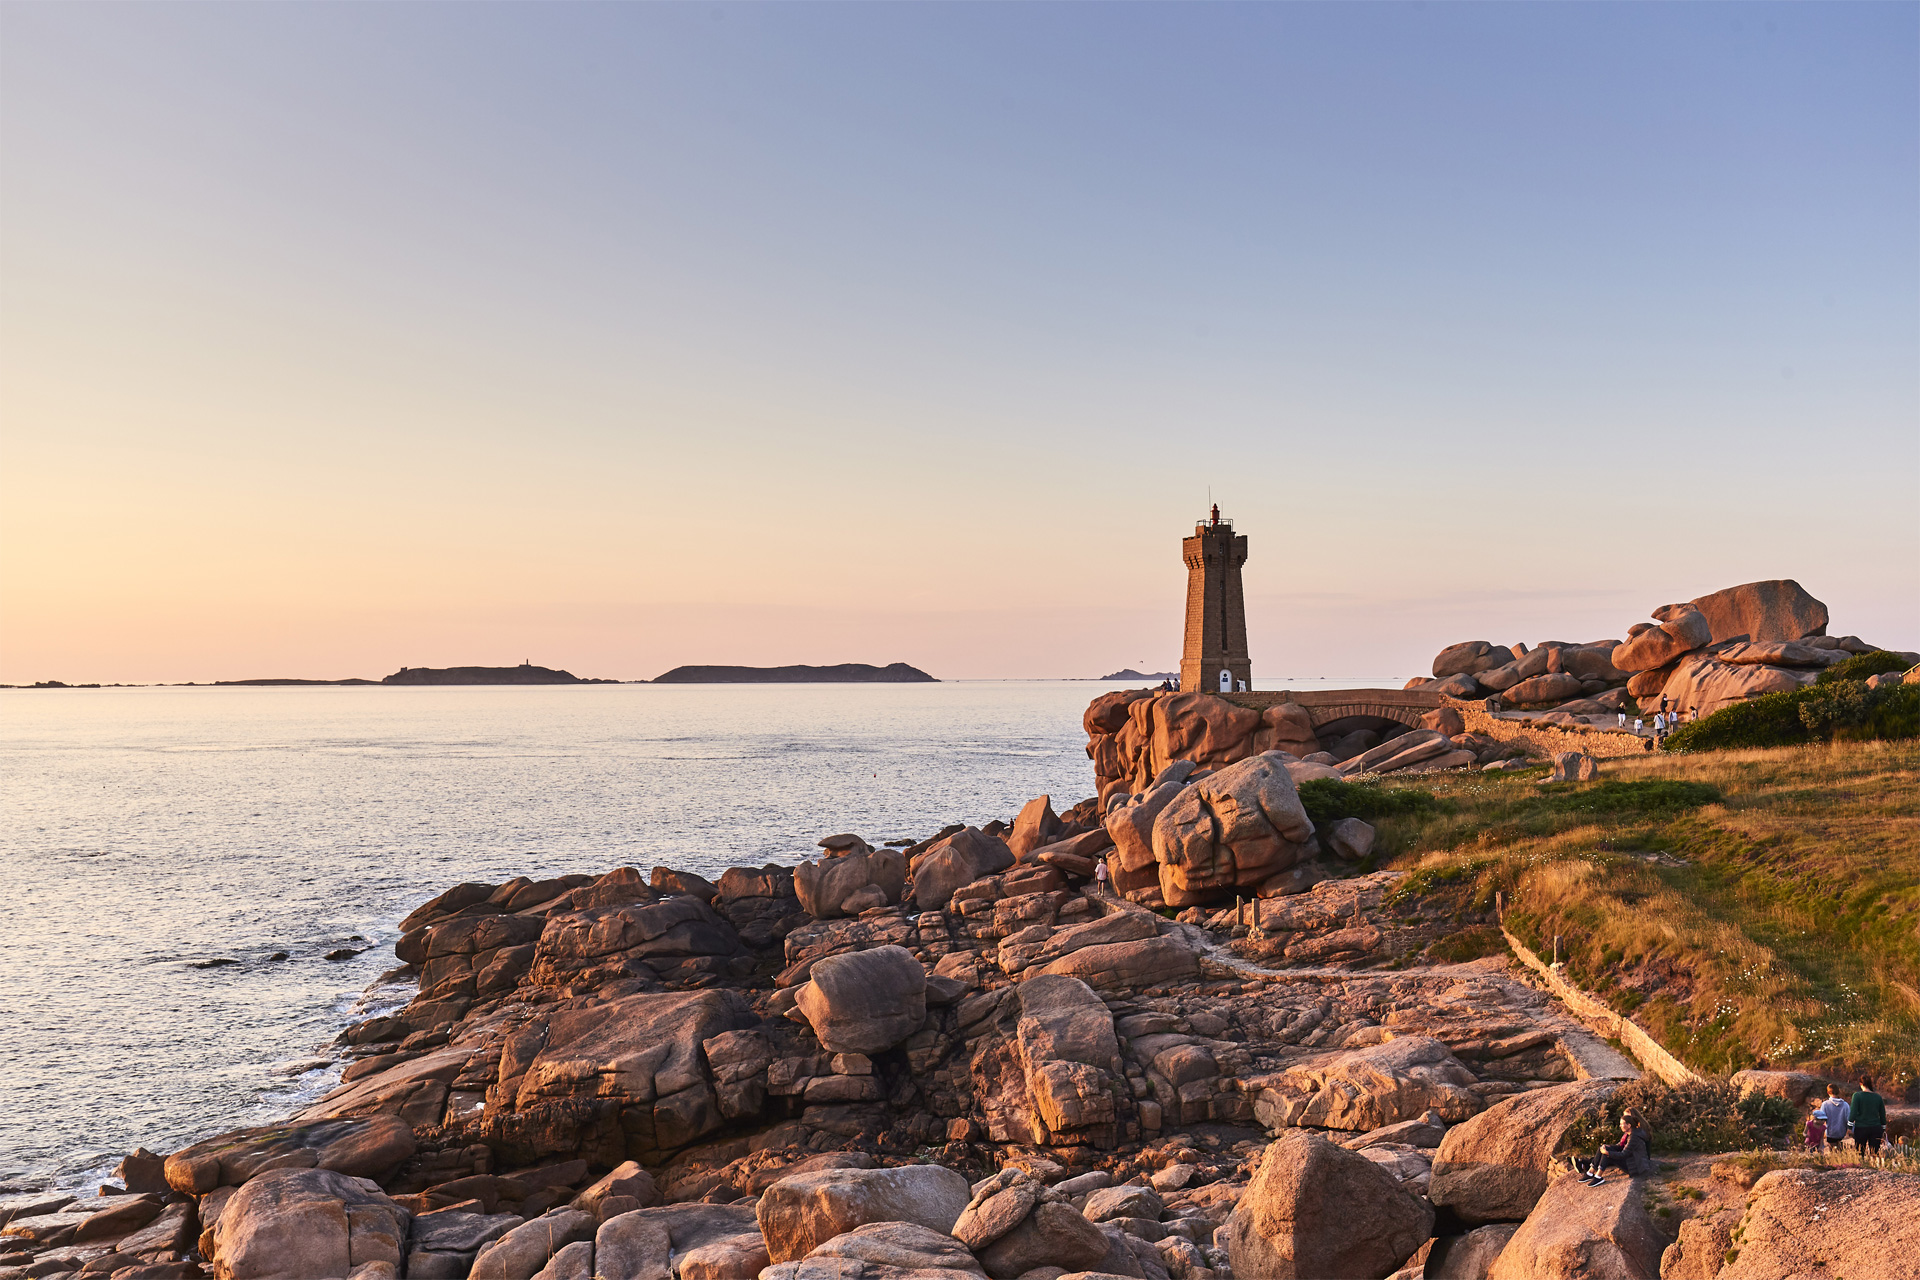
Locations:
{"points": [[1665, 721], [1828, 1124], [1865, 1113]]}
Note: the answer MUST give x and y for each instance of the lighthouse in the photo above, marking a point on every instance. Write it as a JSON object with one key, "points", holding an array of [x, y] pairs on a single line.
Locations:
{"points": [[1214, 658]]}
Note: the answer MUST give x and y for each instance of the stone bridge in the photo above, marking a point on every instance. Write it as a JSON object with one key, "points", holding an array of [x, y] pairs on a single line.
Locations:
{"points": [[1405, 706]]}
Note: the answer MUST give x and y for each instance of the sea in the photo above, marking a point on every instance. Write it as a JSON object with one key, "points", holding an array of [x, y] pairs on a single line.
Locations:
{"points": [[165, 846]]}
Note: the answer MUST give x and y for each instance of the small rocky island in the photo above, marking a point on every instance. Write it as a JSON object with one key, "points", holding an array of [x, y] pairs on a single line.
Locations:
{"points": [[844, 673], [525, 673]]}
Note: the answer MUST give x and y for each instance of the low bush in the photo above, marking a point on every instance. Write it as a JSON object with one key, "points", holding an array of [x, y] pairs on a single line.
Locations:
{"points": [[1845, 709], [1469, 944], [1328, 800], [1698, 1115], [1651, 795], [1862, 665]]}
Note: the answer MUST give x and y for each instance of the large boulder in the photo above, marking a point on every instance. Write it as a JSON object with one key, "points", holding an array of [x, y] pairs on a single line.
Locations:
{"points": [[609, 942], [1469, 657], [825, 885], [865, 1001], [1236, 828], [1555, 686], [1373, 757], [1468, 1256], [1035, 827], [445, 1243], [1286, 726], [1581, 1232], [1778, 653], [1706, 684], [1369, 1088], [1495, 1166], [967, 855], [1130, 825], [1052, 1235], [1659, 645], [646, 1244], [1123, 966], [524, 1252], [799, 1213], [369, 1148], [639, 1057], [1070, 1054], [1829, 1222], [1314, 1211], [883, 1251], [301, 1223], [1779, 609]]}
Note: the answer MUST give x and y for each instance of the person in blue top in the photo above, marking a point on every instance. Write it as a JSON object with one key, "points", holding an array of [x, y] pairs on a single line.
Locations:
{"points": [[1869, 1117], [1836, 1113]]}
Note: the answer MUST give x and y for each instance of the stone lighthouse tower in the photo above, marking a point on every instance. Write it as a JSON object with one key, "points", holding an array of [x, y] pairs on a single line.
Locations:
{"points": [[1214, 659]]}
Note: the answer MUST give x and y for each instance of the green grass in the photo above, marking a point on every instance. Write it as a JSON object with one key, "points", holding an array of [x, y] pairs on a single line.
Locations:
{"points": [[1746, 907]]}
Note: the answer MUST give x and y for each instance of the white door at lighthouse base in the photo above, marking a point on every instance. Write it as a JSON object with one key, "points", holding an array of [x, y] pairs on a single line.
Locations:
{"points": [[1226, 682]]}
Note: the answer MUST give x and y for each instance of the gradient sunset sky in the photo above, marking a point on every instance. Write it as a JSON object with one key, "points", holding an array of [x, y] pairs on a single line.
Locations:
{"points": [[336, 338]]}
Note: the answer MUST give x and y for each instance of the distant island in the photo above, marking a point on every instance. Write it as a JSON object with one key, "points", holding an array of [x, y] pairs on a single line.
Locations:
{"points": [[1128, 673], [525, 673], [845, 673], [282, 680]]}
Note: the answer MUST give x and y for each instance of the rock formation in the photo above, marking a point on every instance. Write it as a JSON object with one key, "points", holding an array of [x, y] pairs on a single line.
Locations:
{"points": [[790, 1075]]}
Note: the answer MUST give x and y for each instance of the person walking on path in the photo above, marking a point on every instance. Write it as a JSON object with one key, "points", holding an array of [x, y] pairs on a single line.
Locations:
{"points": [[1100, 877], [1634, 1153], [1836, 1113], [1816, 1128], [1869, 1117]]}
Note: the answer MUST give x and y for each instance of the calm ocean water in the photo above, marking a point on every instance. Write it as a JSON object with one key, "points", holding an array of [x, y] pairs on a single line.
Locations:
{"points": [[144, 832]]}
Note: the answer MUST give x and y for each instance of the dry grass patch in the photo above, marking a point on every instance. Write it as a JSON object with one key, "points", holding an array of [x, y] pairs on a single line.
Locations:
{"points": [[1778, 922]]}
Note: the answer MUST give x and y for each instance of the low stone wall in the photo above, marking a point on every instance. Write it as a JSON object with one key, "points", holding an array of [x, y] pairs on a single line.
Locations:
{"points": [[1647, 1051], [1543, 740]]}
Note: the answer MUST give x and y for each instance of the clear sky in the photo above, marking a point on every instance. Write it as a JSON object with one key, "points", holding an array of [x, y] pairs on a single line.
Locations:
{"points": [[335, 338]]}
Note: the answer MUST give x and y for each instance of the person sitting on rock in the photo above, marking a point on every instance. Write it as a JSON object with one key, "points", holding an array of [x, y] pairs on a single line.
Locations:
{"points": [[1634, 1153]]}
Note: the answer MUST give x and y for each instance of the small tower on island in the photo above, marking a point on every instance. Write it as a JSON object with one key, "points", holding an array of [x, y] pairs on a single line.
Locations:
{"points": [[1214, 659]]}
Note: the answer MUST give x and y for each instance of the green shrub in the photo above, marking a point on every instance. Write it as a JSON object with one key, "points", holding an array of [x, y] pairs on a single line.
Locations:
{"points": [[1862, 665], [1846, 709], [1469, 944], [1652, 795], [1698, 1115], [1328, 800]]}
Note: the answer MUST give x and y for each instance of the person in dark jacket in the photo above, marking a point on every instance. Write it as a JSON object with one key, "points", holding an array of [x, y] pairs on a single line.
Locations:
{"points": [[1633, 1153], [1869, 1111]]}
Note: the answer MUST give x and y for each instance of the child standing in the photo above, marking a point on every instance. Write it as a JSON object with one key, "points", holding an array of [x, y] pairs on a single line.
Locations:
{"points": [[1816, 1128]]}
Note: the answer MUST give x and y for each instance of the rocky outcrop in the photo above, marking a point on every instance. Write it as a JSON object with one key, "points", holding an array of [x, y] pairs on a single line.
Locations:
{"points": [[1835, 1222], [780, 1087], [962, 858], [800, 1213], [1134, 735], [1238, 828], [865, 1001], [883, 1251], [300, 1223], [1778, 609], [1577, 1232], [855, 880], [369, 1148], [1371, 1088], [1314, 1210], [1495, 1166]]}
